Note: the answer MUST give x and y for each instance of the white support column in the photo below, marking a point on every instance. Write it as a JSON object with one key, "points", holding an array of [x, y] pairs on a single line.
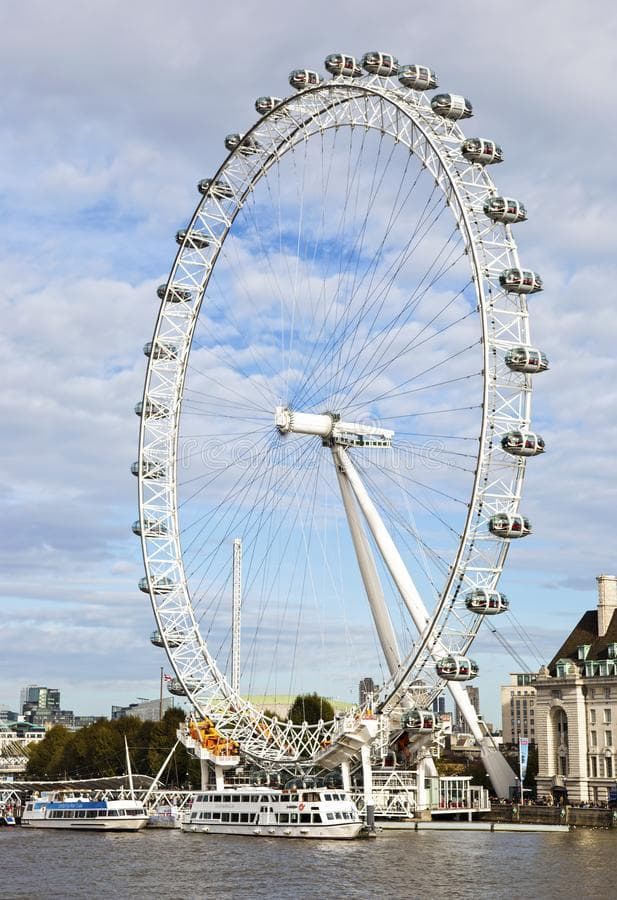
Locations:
{"points": [[346, 776], [220, 777], [368, 570], [367, 779], [236, 614]]}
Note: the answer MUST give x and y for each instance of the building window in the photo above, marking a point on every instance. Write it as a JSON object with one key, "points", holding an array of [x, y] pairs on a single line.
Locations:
{"points": [[556, 693], [601, 766], [608, 738], [593, 738], [607, 717], [609, 767], [593, 767], [592, 717], [607, 693]]}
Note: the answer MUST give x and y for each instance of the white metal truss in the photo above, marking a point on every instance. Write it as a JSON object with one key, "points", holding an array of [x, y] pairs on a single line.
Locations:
{"points": [[369, 102]]}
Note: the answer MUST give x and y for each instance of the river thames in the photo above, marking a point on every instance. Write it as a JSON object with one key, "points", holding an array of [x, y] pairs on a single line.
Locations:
{"points": [[427, 865]]}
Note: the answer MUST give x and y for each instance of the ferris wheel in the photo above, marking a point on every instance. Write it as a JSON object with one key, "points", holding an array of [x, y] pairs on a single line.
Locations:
{"points": [[340, 376]]}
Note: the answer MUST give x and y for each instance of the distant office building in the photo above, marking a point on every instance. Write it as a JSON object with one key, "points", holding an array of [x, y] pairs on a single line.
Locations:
{"points": [[36, 697], [41, 706], [460, 724], [366, 690], [84, 721], [518, 707], [439, 705], [146, 710], [7, 715]]}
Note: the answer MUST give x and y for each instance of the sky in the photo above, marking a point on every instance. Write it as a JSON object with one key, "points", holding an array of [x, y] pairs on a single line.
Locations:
{"points": [[110, 114]]}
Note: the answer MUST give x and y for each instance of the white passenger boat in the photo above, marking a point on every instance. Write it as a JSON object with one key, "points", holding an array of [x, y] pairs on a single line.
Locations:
{"points": [[165, 816], [59, 810], [267, 812]]}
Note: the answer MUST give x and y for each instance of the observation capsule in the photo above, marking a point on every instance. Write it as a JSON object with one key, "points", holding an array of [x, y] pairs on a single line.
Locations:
{"points": [[481, 150], [152, 528], [303, 78], [457, 668], [419, 721], [526, 359], [420, 78], [451, 106], [522, 443], [265, 105], [176, 687], [174, 638], [160, 585], [172, 292], [246, 145], [380, 63], [151, 410], [160, 350], [195, 240], [341, 64], [215, 188], [520, 281], [509, 525], [505, 209], [149, 469], [485, 602]]}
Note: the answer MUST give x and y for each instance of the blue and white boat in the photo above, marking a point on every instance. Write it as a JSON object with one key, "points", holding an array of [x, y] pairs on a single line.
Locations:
{"points": [[56, 809]]}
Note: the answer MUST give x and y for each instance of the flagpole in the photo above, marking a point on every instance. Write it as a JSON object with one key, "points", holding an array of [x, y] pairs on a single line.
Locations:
{"points": [[161, 696]]}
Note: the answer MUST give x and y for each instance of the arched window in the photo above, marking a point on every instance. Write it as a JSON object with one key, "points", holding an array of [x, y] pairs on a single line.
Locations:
{"points": [[560, 740]]}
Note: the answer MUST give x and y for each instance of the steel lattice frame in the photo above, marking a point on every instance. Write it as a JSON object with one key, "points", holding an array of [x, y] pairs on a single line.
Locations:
{"points": [[369, 102]]}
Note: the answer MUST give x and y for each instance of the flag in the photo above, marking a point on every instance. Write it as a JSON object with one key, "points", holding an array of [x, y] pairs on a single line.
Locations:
{"points": [[523, 754], [168, 677]]}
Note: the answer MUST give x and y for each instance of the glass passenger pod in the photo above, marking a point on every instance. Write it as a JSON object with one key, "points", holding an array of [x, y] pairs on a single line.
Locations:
{"points": [[419, 721], [457, 668], [481, 150], [149, 469], [215, 188], [246, 145], [520, 281], [509, 525], [526, 359], [174, 638], [194, 239], [160, 350], [265, 105], [419, 78], [173, 293], [176, 687], [377, 63], [151, 410], [522, 443], [485, 602], [451, 106], [160, 585], [152, 528], [341, 64], [505, 209], [303, 78]]}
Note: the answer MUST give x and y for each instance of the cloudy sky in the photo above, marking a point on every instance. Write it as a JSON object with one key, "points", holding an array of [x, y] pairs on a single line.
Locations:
{"points": [[110, 114]]}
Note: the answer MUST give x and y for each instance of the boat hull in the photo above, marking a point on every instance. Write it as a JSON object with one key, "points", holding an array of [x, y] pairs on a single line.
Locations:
{"points": [[338, 831], [128, 824]]}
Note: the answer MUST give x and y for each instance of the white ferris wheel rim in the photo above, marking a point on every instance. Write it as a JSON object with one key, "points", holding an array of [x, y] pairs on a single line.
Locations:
{"points": [[406, 116]]}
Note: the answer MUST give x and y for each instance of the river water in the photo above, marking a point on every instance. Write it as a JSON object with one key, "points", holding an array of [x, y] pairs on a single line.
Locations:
{"points": [[409, 865]]}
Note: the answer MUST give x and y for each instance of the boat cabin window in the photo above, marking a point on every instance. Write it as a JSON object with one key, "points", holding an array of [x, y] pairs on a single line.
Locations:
{"points": [[305, 818]]}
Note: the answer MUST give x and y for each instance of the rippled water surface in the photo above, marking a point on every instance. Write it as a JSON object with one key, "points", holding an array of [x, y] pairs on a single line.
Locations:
{"points": [[164, 864]]}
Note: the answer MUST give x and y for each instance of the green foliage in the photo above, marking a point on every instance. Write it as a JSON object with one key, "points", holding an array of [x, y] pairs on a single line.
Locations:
{"points": [[310, 708], [98, 750]]}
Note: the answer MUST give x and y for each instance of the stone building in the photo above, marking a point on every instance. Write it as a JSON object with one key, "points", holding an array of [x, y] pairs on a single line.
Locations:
{"points": [[576, 707], [518, 701]]}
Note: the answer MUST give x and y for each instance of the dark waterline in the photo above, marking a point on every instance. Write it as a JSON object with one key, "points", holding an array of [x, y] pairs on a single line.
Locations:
{"points": [[427, 865]]}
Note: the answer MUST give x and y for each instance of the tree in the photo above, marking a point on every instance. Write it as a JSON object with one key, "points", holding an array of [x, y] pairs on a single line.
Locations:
{"points": [[310, 708]]}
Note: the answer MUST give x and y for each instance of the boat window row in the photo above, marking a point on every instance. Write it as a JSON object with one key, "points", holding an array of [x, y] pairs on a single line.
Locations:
{"points": [[287, 818], [92, 813], [304, 797]]}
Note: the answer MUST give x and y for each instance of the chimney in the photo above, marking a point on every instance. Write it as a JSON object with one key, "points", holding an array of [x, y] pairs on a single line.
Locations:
{"points": [[607, 601]]}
